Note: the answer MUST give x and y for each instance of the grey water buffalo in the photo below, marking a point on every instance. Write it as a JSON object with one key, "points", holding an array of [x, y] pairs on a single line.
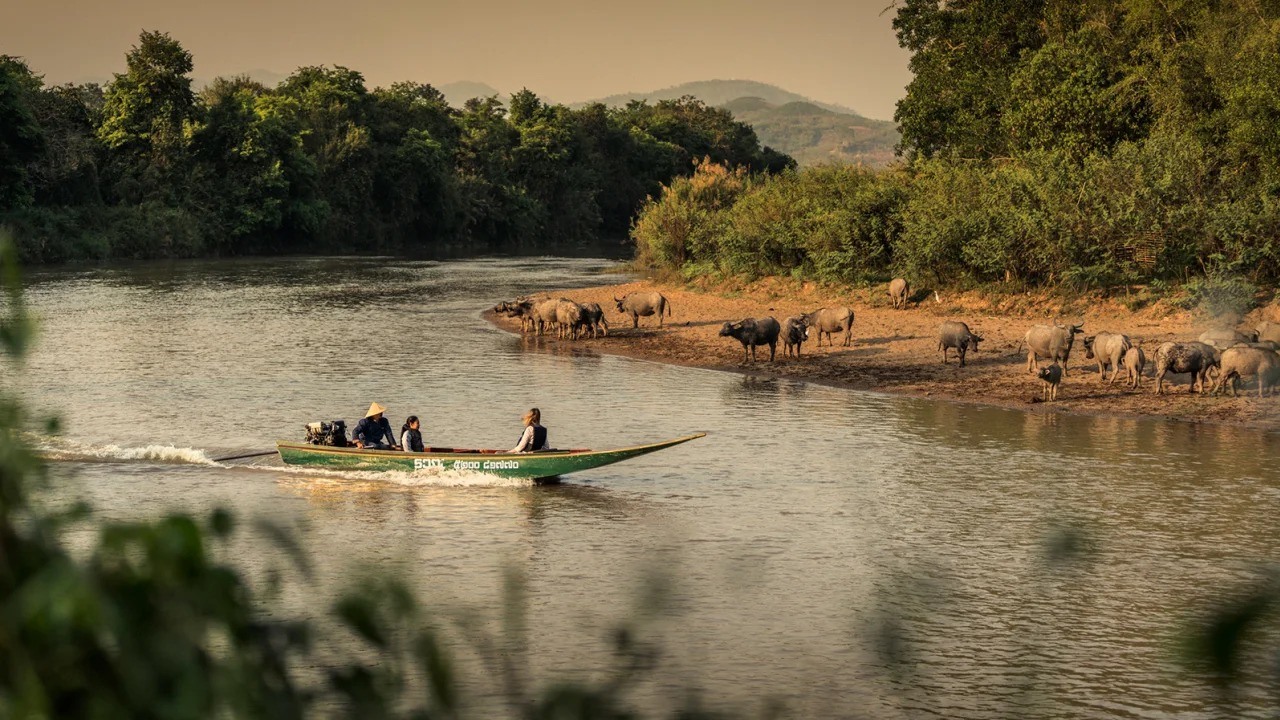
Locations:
{"points": [[1108, 349], [794, 333], [1050, 379], [592, 319], [1239, 362], [753, 332], [1268, 331], [545, 314], [899, 291], [568, 317], [1193, 358], [955, 334], [1052, 342], [1134, 361], [1262, 345], [1223, 338], [831, 320], [644, 304]]}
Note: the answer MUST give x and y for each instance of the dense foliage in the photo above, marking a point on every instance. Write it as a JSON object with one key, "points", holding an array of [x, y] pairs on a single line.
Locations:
{"points": [[148, 166], [1044, 141]]}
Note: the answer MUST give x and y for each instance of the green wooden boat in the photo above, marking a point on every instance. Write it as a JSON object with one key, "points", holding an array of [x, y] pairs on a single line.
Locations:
{"points": [[540, 465]]}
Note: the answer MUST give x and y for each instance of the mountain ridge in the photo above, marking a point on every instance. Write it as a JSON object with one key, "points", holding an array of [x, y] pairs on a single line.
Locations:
{"points": [[718, 93]]}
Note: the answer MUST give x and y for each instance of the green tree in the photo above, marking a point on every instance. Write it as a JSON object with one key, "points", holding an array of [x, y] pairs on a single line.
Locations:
{"points": [[240, 158], [144, 114], [415, 137], [1070, 97], [21, 137], [963, 55], [331, 107], [68, 172]]}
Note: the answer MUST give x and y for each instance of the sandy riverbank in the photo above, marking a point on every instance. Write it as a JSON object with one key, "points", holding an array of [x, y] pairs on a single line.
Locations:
{"points": [[896, 350]]}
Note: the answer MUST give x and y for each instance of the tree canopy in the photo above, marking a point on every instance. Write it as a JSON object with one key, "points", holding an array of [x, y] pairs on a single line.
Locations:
{"points": [[1090, 142], [147, 166]]}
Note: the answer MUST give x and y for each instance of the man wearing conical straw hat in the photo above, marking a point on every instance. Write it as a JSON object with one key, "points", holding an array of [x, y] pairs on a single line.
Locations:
{"points": [[373, 432]]}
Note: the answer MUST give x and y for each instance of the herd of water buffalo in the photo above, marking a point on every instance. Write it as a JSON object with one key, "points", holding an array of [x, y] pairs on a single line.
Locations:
{"points": [[1225, 356], [573, 320]]}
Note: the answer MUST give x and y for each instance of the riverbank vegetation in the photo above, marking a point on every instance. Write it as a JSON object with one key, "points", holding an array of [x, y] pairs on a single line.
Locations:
{"points": [[1082, 144], [149, 166]]}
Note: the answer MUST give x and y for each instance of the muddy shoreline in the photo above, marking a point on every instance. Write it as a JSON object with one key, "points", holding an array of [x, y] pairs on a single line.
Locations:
{"points": [[896, 351]]}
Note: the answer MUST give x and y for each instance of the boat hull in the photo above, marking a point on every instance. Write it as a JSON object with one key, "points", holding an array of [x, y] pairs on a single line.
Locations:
{"points": [[531, 466]]}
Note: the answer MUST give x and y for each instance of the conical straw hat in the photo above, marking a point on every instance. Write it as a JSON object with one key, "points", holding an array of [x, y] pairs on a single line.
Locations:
{"points": [[375, 409]]}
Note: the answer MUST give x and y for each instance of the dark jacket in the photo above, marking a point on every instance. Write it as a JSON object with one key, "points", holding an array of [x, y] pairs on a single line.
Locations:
{"points": [[531, 441], [371, 433], [413, 440]]}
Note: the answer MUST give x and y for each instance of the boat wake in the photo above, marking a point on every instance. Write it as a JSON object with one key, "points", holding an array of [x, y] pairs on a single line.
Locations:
{"points": [[72, 451], [62, 450]]}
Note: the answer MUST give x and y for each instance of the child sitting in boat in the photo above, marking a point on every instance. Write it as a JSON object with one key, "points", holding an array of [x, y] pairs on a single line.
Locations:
{"points": [[411, 435], [535, 436]]}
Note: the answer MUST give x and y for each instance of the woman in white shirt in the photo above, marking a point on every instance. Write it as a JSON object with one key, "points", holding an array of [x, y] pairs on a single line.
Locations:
{"points": [[535, 436]]}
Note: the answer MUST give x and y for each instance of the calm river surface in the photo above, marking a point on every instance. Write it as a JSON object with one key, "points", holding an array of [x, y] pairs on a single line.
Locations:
{"points": [[808, 520]]}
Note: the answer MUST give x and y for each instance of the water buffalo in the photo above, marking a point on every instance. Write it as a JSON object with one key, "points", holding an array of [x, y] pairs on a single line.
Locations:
{"points": [[954, 334], [752, 332], [592, 319], [794, 332], [899, 290], [1108, 349], [830, 320], [643, 303], [1194, 358], [568, 317], [518, 308], [1134, 361], [1223, 338], [1261, 345], [1238, 362], [1051, 378], [1268, 331], [544, 316], [1052, 342]]}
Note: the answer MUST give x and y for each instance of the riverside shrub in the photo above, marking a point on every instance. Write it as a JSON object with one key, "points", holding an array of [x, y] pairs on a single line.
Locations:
{"points": [[1148, 211]]}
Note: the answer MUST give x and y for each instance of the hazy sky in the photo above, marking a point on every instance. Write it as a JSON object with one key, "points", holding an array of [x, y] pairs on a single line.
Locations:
{"points": [[567, 50]]}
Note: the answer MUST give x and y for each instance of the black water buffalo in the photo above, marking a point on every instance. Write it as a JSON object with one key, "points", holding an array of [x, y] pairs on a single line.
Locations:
{"points": [[519, 308], [1051, 378], [592, 319], [753, 332], [794, 332]]}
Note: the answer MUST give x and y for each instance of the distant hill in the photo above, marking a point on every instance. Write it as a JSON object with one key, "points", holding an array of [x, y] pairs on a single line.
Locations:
{"points": [[814, 134], [458, 93], [721, 92]]}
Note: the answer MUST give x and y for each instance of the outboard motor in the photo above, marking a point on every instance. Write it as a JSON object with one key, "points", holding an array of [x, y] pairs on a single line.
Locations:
{"points": [[332, 434]]}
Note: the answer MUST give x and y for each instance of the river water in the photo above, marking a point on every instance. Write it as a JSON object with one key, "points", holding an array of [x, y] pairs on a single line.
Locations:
{"points": [[812, 531]]}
